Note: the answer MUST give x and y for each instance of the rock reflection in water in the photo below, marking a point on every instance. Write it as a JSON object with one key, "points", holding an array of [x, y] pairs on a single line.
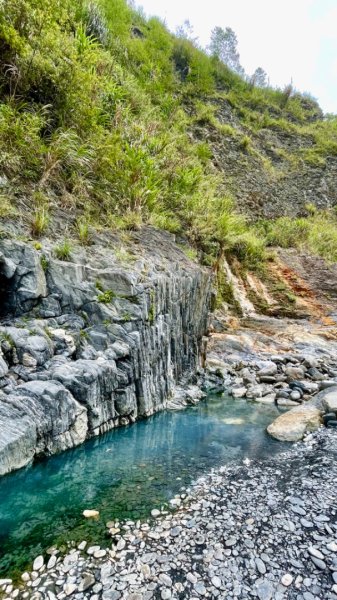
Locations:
{"points": [[124, 474]]}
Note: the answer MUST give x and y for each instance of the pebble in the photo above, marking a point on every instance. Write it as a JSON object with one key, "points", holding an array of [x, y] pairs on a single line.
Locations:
{"points": [[332, 547], [230, 542], [287, 580], [261, 567], [306, 523], [69, 588], [318, 562], [165, 579], [90, 514], [200, 589], [38, 563], [314, 552], [99, 553], [216, 581], [212, 547], [121, 544]]}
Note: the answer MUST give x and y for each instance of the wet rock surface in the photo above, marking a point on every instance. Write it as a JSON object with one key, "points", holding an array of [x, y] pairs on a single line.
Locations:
{"points": [[256, 530]]}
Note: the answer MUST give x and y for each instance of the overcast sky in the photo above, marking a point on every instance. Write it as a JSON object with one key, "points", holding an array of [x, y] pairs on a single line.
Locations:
{"points": [[293, 39]]}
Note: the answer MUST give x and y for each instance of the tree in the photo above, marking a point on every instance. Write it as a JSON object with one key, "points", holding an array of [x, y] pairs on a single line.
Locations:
{"points": [[223, 46], [186, 32], [259, 78]]}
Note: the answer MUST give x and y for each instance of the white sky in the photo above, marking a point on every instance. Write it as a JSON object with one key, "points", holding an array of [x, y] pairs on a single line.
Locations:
{"points": [[293, 39]]}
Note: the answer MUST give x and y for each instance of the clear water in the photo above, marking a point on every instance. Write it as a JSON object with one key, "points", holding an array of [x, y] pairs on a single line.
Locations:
{"points": [[124, 474]]}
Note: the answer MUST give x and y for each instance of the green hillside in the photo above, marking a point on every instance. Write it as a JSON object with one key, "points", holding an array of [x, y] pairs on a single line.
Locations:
{"points": [[101, 120]]}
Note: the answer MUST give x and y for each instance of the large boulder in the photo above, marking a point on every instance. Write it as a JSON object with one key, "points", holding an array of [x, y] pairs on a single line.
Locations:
{"points": [[294, 424], [326, 400]]}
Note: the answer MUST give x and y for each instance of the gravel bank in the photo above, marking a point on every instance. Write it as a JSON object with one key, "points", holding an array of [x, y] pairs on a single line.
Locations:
{"points": [[265, 530]]}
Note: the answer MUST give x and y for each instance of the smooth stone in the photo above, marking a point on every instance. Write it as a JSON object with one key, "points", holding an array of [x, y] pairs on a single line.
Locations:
{"points": [[52, 562], [216, 581], [38, 563], [314, 552], [90, 514], [318, 562], [87, 581], [294, 424], [306, 523], [265, 590], [200, 588], [261, 567], [332, 547], [287, 580], [165, 579], [69, 588]]}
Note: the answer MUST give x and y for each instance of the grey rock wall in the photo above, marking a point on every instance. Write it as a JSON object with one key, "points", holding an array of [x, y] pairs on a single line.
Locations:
{"points": [[92, 344]]}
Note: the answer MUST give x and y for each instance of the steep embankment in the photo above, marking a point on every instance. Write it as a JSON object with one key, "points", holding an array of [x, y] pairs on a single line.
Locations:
{"points": [[272, 161], [94, 342], [109, 123]]}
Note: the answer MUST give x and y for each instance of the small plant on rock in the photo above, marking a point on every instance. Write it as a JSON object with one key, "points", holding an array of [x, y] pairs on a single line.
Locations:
{"points": [[106, 297], [44, 262], [63, 251], [83, 233], [40, 221]]}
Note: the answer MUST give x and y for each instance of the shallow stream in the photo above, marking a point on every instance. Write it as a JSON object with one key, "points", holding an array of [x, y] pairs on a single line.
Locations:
{"points": [[124, 474]]}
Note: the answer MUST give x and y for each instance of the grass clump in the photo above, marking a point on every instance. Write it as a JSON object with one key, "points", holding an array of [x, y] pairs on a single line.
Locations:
{"points": [[63, 250], [40, 221], [6, 207], [82, 228], [44, 262]]}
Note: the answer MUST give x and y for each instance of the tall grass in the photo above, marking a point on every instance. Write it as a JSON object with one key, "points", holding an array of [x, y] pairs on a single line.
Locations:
{"points": [[97, 104], [316, 233]]}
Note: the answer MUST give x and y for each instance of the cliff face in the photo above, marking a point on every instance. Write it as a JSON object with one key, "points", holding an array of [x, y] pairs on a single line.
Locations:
{"points": [[94, 342]]}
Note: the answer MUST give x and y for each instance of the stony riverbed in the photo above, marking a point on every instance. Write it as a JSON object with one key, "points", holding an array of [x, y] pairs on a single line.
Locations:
{"points": [[256, 530]]}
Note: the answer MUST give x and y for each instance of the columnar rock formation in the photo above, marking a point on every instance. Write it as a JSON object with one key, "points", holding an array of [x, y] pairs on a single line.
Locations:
{"points": [[95, 342]]}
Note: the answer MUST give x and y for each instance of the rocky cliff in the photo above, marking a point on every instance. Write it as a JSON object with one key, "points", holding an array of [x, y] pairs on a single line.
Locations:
{"points": [[93, 342]]}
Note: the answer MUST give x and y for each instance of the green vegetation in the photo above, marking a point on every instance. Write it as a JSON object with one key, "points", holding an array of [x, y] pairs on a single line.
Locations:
{"points": [[83, 233], [63, 250], [316, 233], [97, 110], [106, 297], [40, 221], [44, 262]]}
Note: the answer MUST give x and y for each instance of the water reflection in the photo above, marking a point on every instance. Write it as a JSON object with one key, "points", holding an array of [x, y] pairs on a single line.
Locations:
{"points": [[125, 473]]}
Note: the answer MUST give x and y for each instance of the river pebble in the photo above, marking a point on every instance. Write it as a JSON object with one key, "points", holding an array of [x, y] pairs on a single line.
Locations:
{"points": [[263, 531]]}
